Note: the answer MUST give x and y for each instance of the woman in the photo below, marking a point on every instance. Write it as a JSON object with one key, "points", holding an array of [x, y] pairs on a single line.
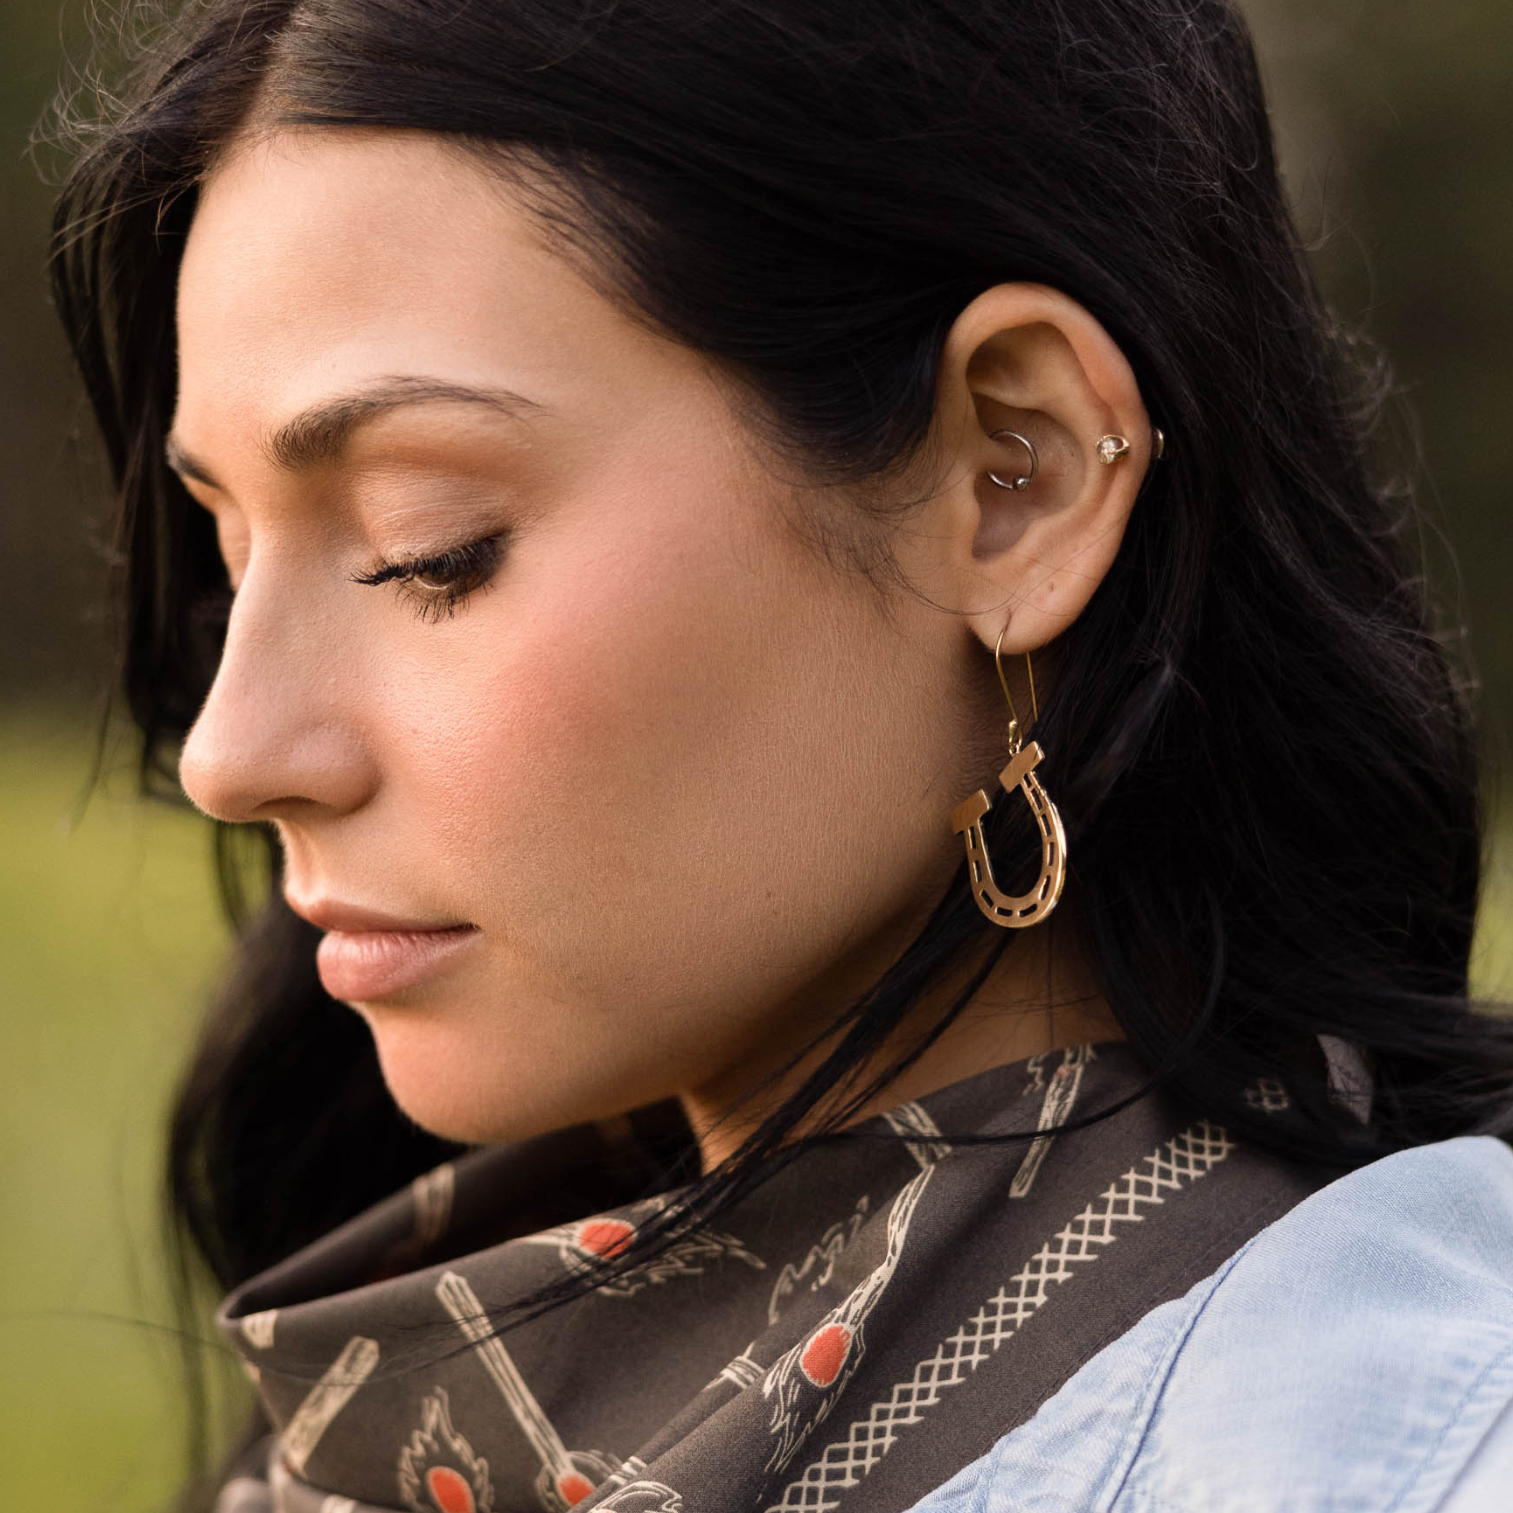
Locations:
{"points": [[595, 484]]}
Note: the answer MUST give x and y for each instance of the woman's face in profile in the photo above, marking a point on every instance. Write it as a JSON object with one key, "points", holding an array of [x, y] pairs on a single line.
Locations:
{"points": [[529, 651]]}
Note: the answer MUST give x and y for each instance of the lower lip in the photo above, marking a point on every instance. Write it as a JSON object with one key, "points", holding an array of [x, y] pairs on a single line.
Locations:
{"points": [[356, 965]]}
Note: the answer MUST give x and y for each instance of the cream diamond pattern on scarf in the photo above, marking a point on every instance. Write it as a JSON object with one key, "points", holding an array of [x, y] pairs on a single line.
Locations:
{"points": [[843, 1463]]}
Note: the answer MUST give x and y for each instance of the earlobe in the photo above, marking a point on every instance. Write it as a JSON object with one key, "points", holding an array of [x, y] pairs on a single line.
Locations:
{"points": [[1051, 443]]}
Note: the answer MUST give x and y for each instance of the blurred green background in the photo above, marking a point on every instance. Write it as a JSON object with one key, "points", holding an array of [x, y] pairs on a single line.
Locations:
{"points": [[1396, 121]]}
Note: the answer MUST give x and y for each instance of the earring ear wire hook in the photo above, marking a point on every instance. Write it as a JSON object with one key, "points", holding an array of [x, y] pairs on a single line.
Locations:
{"points": [[1003, 681]]}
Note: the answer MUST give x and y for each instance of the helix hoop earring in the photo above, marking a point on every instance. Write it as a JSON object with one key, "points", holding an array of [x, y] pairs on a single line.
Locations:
{"points": [[1026, 909], [1025, 479]]}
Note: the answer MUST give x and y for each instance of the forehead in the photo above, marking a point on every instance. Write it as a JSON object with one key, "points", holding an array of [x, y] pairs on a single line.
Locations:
{"points": [[319, 259]]}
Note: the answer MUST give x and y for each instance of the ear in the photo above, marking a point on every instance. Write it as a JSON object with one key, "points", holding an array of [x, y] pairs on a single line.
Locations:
{"points": [[1025, 358]]}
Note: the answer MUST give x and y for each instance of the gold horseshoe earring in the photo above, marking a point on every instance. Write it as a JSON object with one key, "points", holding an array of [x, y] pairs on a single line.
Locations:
{"points": [[1015, 913]]}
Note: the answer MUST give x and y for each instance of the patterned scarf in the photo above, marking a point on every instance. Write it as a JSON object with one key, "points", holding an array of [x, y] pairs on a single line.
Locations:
{"points": [[853, 1333]]}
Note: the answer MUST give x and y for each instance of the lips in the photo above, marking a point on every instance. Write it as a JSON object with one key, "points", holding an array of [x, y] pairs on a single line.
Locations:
{"points": [[366, 955], [370, 964]]}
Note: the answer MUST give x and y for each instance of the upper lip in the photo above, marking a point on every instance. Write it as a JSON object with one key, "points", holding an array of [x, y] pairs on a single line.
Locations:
{"points": [[333, 914]]}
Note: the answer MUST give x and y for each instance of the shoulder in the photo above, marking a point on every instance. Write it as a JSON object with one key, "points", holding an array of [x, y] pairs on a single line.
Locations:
{"points": [[1357, 1354]]}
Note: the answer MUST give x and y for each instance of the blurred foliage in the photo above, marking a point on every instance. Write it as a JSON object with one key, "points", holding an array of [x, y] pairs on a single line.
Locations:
{"points": [[1396, 125], [109, 936], [51, 577], [1396, 121]]}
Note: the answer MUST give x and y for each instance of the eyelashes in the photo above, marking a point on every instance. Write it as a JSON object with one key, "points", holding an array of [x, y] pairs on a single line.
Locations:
{"points": [[440, 585]]}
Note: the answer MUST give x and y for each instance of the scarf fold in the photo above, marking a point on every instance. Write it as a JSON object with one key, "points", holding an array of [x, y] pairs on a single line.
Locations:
{"points": [[848, 1336]]}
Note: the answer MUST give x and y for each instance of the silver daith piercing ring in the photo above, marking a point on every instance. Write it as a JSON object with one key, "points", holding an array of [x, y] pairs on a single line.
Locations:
{"points": [[1026, 479]]}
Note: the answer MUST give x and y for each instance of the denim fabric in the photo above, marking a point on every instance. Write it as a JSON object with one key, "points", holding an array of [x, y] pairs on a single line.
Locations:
{"points": [[1355, 1357]]}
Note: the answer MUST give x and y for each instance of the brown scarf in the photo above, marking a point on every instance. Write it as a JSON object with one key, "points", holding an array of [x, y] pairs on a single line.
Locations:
{"points": [[852, 1334]]}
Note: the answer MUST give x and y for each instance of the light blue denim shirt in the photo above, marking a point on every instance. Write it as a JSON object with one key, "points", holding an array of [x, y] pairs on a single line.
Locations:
{"points": [[1355, 1357]]}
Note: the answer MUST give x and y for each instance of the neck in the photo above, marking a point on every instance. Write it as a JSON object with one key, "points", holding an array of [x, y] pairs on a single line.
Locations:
{"points": [[1039, 997]]}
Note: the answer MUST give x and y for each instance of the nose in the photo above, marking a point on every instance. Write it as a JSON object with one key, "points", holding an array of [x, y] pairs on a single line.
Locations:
{"points": [[279, 736]]}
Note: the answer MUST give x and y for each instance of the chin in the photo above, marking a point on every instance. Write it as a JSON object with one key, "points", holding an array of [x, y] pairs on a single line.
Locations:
{"points": [[445, 1086], [457, 1080]]}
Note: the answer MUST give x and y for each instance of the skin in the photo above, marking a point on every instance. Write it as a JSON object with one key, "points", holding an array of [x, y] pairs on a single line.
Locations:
{"points": [[684, 775]]}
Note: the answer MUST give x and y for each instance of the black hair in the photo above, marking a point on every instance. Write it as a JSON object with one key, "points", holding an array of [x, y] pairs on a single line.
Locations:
{"points": [[1257, 740]]}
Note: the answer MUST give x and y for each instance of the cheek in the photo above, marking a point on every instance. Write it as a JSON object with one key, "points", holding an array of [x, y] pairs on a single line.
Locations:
{"points": [[660, 757]]}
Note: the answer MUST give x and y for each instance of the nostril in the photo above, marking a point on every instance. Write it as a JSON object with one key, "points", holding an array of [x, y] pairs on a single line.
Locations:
{"points": [[214, 785], [241, 768], [252, 786]]}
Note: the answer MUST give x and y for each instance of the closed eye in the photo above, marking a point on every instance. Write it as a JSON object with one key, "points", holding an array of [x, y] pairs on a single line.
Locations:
{"points": [[442, 583]]}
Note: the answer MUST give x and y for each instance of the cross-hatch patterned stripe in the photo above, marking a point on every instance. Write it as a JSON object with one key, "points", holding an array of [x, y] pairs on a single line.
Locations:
{"points": [[844, 1462]]}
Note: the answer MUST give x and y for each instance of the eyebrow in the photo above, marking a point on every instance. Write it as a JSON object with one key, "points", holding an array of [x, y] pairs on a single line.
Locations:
{"points": [[321, 432]]}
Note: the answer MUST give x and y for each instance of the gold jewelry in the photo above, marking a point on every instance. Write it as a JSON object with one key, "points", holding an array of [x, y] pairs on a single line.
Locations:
{"points": [[966, 820], [1025, 479], [1112, 449]]}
